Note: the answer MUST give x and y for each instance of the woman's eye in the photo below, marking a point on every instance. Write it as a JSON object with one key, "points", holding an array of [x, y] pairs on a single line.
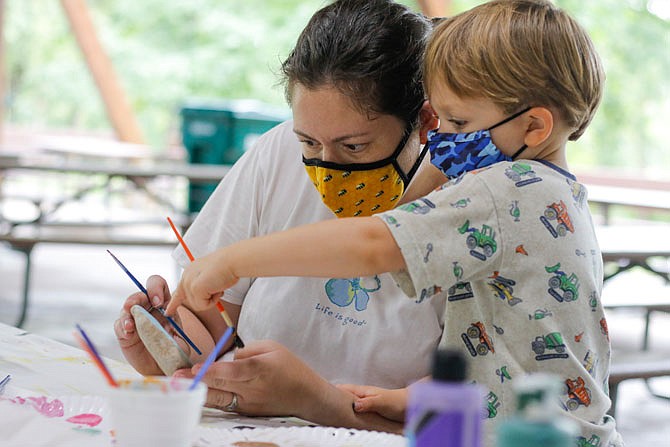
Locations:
{"points": [[354, 147]]}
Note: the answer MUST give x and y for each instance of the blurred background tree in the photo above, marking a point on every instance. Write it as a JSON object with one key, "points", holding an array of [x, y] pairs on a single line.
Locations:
{"points": [[167, 52]]}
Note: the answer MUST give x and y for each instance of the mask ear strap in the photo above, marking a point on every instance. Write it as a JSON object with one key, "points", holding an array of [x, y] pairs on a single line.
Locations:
{"points": [[510, 118], [415, 167], [517, 153]]}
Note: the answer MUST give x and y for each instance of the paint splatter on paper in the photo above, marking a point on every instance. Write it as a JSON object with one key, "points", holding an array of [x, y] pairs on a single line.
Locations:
{"points": [[89, 419], [49, 408]]}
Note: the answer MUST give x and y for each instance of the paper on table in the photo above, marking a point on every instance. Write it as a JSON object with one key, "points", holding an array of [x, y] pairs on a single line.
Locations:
{"points": [[20, 427]]}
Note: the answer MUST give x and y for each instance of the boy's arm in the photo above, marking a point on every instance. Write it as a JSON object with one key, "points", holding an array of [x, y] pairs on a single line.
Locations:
{"points": [[360, 246]]}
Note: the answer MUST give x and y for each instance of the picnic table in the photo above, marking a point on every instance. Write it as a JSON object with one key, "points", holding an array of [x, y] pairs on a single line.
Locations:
{"points": [[45, 226]]}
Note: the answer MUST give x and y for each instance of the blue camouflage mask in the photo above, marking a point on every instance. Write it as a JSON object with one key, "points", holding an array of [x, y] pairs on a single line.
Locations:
{"points": [[456, 153]]}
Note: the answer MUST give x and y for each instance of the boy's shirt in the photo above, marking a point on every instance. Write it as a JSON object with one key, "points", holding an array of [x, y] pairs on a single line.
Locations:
{"points": [[514, 248]]}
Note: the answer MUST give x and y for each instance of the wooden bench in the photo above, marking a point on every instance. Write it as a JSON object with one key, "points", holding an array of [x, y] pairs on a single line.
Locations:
{"points": [[642, 365], [627, 246], [23, 238]]}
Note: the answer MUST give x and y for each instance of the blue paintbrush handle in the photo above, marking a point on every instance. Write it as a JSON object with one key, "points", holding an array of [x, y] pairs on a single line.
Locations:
{"points": [[143, 290], [4, 382], [178, 329], [211, 357]]}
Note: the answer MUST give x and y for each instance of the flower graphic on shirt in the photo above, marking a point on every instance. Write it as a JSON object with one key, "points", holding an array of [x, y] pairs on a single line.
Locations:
{"points": [[342, 292]]}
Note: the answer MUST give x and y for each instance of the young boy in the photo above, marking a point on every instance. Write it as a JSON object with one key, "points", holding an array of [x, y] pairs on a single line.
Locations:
{"points": [[508, 241]]}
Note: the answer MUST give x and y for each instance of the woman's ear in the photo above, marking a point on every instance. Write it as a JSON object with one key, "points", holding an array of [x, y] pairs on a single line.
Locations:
{"points": [[540, 126], [429, 121]]}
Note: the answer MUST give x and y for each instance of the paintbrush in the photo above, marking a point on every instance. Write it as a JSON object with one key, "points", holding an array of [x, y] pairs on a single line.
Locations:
{"points": [[4, 383], [211, 357], [222, 310], [161, 310], [87, 345]]}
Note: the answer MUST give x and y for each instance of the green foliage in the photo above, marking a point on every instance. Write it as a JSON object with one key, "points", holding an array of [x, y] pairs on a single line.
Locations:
{"points": [[163, 53], [167, 52]]}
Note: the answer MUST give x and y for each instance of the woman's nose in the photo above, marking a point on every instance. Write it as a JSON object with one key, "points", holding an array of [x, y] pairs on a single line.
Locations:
{"points": [[330, 154]]}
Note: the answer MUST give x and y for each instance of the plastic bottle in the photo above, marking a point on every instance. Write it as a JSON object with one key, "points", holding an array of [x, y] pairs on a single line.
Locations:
{"points": [[445, 411], [539, 420]]}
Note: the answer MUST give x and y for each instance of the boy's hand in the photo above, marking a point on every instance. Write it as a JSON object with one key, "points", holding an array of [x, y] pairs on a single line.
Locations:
{"points": [[203, 283], [391, 404]]}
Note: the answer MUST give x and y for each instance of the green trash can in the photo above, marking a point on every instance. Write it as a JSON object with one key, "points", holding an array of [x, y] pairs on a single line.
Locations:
{"points": [[218, 132]]}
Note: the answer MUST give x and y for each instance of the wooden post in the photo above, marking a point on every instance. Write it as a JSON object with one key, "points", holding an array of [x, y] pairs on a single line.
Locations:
{"points": [[118, 109], [435, 8]]}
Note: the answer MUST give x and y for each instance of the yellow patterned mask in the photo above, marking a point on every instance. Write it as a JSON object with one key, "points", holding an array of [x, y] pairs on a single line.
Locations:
{"points": [[361, 189]]}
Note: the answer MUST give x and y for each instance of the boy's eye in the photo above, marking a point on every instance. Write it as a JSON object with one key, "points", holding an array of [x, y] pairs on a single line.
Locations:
{"points": [[458, 123]]}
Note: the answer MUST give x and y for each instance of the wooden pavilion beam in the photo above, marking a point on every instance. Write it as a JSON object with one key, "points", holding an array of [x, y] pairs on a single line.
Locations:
{"points": [[117, 107]]}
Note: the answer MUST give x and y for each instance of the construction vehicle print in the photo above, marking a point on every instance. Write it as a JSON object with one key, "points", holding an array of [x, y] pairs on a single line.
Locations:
{"points": [[593, 442], [603, 328], [391, 220], [559, 213], [492, 404], [461, 203], [461, 290], [540, 314], [502, 287], [522, 174], [593, 301], [589, 361], [478, 332], [417, 207], [578, 192], [484, 239], [550, 342], [578, 394], [561, 286], [427, 293]]}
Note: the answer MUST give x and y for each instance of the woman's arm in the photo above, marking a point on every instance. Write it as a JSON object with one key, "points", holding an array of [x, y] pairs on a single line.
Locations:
{"points": [[271, 381]]}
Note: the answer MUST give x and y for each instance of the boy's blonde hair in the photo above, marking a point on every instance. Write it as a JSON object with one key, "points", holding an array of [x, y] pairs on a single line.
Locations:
{"points": [[518, 53]]}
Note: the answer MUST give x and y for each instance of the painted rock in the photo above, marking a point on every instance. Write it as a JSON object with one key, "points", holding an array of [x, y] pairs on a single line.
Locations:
{"points": [[162, 347]]}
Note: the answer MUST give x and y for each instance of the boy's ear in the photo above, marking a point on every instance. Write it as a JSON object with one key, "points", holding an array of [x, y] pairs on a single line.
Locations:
{"points": [[429, 121], [540, 126]]}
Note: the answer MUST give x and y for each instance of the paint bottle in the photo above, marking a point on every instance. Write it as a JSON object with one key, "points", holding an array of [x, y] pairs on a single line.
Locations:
{"points": [[445, 411], [538, 420]]}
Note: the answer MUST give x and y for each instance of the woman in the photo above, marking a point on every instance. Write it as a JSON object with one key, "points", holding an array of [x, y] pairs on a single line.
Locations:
{"points": [[353, 81]]}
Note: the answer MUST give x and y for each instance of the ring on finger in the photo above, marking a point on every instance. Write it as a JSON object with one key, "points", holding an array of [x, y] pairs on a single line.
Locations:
{"points": [[232, 406]]}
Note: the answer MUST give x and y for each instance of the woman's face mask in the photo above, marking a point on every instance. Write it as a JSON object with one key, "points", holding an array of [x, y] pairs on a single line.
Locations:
{"points": [[362, 189], [456, 153]]}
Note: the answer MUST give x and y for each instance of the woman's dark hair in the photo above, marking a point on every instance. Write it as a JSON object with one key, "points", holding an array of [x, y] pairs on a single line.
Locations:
{"points": [[370, 50]]}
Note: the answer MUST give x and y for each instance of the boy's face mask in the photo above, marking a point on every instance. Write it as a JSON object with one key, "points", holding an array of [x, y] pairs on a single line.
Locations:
{"points": [[362, 189], [456, 153]]}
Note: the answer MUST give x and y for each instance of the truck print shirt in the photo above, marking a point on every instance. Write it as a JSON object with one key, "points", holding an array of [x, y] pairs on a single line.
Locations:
{"points": [[513, 251]]}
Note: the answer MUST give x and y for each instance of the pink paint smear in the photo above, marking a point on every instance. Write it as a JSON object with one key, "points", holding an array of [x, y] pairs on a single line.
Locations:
{"points": [[54, 408], [89, 419], [42, 405]]}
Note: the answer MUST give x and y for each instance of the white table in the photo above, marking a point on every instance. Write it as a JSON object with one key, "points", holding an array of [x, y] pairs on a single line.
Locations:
{"points": [[51, 373]]}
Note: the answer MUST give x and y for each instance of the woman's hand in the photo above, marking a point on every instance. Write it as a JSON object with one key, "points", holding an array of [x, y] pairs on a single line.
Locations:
{"points": [[131, 345], [271, 381], [126, 333], [391, 404]]}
